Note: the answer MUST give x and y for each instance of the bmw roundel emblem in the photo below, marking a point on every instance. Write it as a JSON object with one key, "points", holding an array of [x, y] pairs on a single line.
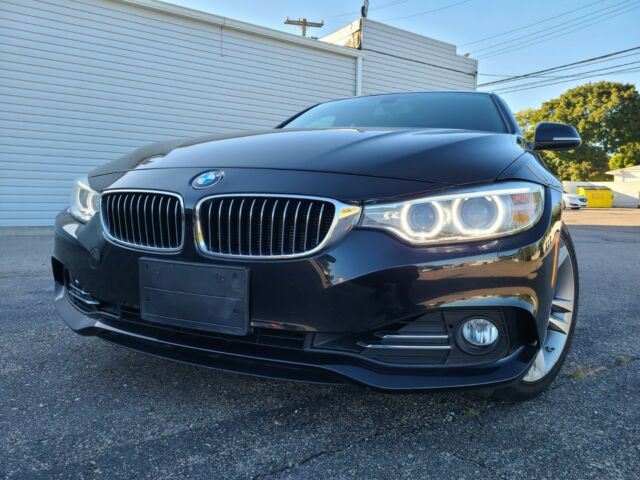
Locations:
{"points": [[207, 179]]}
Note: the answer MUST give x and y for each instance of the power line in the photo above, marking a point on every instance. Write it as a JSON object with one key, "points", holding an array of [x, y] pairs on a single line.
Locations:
{"points": [[562, 24], [544, 38], [529, 25], [518, 89], [512, 76], [572, 76], [426, 12], [504, 75], [392, 3], [525, 76], [551, 29], [561, 67], [628, 70]]}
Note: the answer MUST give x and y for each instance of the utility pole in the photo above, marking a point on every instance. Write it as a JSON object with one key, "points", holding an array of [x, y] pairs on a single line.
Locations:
{"points": [[303, 23], [364, 9]]}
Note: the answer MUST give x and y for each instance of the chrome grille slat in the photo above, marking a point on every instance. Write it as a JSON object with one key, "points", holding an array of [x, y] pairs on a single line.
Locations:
{"points": [[306, 228], [129, 215], [168, 222], [263, 225], [240, 227], [138, 219], [144, 216], [160, 222], [284, 226], [175, 216], [209, 237], [124, 218], [253, 203], [295, 226], [143, 219], [219, 227], [229, 226], [264, 203], [153, 227], [271, 226], [319, 223], [120, 231], [110, 217], [131, 222]]}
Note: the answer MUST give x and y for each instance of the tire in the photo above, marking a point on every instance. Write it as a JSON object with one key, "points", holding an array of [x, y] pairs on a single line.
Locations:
{"points": [[526, 390]]}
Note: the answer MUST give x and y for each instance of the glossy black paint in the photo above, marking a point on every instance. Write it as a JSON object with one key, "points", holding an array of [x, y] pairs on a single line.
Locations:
{"points": [[555, 136], [434, 156], [366, 281]]}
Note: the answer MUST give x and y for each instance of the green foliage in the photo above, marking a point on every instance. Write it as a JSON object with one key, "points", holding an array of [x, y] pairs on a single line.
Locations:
{"points": [[585, 163], [607, 115], [628, 155]]}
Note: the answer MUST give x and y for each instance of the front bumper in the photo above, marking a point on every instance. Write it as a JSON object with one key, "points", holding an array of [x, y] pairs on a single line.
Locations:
{"points": [[312, 318]]}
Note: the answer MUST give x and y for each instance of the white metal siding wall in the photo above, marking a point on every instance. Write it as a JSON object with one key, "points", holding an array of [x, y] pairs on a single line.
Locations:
{"points": [[85, 81], [411, 62]]}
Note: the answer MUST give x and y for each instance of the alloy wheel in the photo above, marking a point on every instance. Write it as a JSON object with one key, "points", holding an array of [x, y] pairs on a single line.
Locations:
{"points": [[560, 318]]}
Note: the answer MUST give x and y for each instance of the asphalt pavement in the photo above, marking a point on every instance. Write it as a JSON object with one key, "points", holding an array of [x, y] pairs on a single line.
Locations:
{"points": [[75, 407]]}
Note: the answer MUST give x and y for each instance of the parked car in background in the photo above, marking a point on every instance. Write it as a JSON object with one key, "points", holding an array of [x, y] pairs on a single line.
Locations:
{"points": [[573, 201], [401, 241]]}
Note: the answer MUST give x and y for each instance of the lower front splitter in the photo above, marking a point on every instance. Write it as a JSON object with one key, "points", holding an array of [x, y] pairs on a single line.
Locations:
{"points": [[314, 366]]}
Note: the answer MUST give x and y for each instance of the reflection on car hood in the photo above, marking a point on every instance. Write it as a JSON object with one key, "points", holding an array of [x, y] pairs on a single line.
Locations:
{"points": [[432, 155]]}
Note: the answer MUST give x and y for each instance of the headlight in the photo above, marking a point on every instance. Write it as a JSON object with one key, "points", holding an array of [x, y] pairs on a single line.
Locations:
{"points": [[470, 214], [84, 200]]}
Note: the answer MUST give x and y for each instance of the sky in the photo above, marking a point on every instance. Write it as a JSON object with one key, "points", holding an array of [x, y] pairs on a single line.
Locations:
{"points": [[597, 27]]}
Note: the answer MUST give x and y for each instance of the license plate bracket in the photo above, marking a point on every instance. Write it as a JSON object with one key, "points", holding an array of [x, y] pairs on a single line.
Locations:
{"points": [[194, 295]]}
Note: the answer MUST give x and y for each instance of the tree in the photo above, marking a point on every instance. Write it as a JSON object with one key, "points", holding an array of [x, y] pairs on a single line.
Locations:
{"points": [[605, 114], [628, 155]]}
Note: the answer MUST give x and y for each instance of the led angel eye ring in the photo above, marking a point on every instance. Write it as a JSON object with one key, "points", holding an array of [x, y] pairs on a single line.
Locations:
{"points": [[439, 226], [459, 224]]}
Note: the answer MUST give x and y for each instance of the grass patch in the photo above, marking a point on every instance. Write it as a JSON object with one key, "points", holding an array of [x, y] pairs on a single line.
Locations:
{"points": [[580, 372], [624, 359], [471, 412]]}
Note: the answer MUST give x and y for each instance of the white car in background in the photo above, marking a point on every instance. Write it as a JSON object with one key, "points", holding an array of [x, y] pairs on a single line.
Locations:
{"points": [[574, 201]]}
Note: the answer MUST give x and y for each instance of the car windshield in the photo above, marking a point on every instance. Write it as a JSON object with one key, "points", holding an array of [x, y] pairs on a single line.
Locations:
{"points": [[456, 110]]}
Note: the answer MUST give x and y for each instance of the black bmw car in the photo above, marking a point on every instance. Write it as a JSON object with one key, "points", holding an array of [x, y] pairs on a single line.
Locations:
{"points": [[403, 241]]}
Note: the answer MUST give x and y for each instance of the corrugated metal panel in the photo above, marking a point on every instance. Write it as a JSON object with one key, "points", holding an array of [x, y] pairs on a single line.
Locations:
{"points": [[397, 60], [84, 81]]}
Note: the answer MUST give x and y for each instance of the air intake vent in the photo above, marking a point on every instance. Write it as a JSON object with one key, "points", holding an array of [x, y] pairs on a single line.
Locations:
{"points": [[143, 219], [263, 226]]}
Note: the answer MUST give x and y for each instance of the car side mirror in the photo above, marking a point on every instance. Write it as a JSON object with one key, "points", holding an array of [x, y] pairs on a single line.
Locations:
{"points": [[555, 136]]}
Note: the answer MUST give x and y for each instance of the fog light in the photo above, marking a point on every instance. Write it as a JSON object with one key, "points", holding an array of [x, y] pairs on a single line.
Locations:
{"points": [[479, 332]]}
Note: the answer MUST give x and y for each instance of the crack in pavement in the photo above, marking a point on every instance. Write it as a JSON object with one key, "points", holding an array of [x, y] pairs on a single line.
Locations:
{"points": [[402, 428], [307, 459], [378, 433], [480, 464]]}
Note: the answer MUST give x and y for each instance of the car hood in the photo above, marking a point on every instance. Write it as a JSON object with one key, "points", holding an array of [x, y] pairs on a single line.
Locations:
{"points": [[433, 155]]}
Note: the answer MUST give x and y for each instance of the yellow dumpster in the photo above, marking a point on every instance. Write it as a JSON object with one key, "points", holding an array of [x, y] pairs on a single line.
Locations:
{"points": [[597, 196]]}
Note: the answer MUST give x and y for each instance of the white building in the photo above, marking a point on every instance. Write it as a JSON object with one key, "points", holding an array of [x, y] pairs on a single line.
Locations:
{"points": [[625, 186], [628, 174], [85, 81]]}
